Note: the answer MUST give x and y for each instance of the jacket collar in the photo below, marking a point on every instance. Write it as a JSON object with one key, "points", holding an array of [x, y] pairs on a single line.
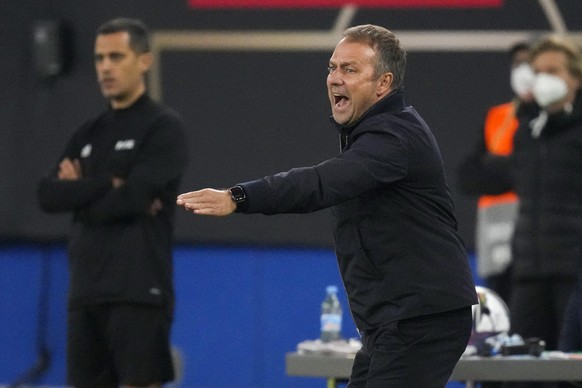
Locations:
{"points": [[539, 121], [137, 104], [392, 103]]}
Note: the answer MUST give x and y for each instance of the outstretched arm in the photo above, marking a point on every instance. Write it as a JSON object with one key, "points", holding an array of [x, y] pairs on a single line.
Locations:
{"points": [[209, 202]]}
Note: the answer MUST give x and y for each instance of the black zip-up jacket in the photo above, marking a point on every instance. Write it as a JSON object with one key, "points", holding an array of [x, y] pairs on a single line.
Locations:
{"points": [[118, 250], [547, 170], [398, 249]]}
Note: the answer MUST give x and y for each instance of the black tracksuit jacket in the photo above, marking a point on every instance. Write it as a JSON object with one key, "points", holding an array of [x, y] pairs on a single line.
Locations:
{"points": [[118, 252], [395, 233]]}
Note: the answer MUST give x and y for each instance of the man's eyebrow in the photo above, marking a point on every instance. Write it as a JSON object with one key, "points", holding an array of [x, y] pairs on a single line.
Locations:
{"points": [[344, 63], [110, 53]]}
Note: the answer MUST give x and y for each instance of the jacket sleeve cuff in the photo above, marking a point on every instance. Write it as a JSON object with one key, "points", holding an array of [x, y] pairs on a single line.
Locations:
{"points": [[257, 193]]}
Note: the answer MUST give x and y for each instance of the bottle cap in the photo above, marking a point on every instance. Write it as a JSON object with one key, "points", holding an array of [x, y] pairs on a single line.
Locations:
{"points": [[331, 289]]}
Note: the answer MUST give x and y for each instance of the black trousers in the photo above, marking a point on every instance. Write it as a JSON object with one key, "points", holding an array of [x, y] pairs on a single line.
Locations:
{"points": [[537, 308], [415, 352]]}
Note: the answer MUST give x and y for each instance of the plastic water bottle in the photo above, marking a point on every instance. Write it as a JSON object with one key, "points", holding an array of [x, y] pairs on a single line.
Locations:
{"points": [[331, 316]]}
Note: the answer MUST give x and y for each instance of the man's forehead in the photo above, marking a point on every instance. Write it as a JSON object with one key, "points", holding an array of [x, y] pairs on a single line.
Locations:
{"points": [[118, 41], [350, 59], [352, 52], [550, 59]]}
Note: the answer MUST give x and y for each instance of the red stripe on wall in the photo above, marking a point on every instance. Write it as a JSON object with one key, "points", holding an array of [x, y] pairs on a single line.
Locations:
{"points": [[340, 3]]}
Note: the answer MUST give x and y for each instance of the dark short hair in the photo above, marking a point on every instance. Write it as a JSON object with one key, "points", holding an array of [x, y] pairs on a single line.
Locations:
{"points": [[391, 56], [518, 47], [139, 36]]}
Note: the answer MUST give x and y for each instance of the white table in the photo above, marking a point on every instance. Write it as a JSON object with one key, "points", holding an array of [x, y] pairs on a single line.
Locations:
{"points": [[468, 369]]}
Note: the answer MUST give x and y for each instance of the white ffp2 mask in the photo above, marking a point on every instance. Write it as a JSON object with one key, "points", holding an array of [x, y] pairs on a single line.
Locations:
{"points": [[522, 80], [549, 89]]}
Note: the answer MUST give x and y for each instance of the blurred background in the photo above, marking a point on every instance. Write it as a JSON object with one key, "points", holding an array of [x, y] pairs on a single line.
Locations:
{"points": [[249, 79]]}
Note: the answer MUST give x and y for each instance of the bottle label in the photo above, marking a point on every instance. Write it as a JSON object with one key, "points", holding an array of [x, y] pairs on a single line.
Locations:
{"points": [[331, 323]]}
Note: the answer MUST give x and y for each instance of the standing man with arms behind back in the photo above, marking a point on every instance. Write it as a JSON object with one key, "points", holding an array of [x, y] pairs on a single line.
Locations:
{"points": [[119, 175], [545, 170], [403, 264], [547, 165]]}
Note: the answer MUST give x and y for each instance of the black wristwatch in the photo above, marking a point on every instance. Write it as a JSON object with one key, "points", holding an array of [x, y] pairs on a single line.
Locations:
{"points": [[239, 197]]}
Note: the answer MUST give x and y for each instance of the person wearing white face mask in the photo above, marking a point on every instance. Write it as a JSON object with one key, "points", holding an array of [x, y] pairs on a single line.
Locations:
{"points": [[547, 170], [497, 209], [546, 174]]}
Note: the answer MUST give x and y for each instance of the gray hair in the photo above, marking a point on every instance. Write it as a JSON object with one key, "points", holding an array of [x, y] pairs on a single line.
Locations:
{"points": [[391, 56]]}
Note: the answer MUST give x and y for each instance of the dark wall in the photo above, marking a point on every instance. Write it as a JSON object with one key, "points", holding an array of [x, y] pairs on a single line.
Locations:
{"points": [[249, 114]]}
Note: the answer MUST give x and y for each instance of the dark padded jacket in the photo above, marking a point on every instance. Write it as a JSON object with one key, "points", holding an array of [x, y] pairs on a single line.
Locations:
{"points": [[394, 229], [548, 180], [118, 251]]}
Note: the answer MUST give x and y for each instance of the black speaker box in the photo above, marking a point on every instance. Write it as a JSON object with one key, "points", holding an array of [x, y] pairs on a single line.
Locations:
{"points": [[51, 48]]}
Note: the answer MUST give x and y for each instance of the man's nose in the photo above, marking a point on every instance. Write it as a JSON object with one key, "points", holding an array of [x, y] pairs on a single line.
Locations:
{"points": [[105, 64], [334, 77]]}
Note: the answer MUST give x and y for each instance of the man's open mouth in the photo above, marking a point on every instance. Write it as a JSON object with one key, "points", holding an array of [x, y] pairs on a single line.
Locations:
{"points": [[339, 100]]}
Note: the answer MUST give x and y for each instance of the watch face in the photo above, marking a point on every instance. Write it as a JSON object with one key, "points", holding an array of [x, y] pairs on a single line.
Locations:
{"points": [[238, 194]]}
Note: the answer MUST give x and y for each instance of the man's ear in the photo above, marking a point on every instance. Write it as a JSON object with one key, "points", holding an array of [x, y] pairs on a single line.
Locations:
{"points": [[384, 85], [145, 61]]}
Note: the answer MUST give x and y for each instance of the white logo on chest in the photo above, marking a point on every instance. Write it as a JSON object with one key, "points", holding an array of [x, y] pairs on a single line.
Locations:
{"points": [[124, 145], [86, 151]]}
